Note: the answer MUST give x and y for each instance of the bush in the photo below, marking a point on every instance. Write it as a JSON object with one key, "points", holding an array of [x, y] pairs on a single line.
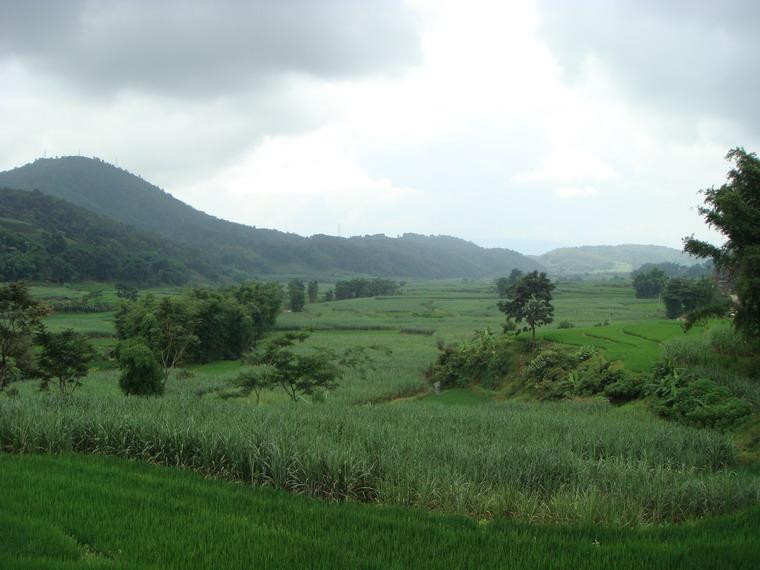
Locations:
{"points": [[485, 359], [703, 403], [686, 352], [565, 325], [625, 388], [141, 374]]}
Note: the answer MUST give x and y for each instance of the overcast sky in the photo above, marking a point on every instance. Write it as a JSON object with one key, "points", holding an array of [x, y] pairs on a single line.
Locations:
{"points": [[520, 124]]}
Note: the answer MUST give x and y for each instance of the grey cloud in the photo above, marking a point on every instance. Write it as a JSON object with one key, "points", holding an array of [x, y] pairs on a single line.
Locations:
{"points": [[198, 47], [694, 57]]}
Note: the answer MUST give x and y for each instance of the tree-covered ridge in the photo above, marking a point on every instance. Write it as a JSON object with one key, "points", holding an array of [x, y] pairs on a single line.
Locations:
{"points": [[44, 238], [599, 258], [244, 250]]}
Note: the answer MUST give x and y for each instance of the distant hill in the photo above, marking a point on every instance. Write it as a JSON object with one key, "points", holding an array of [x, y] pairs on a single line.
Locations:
{"points": [[603, 258], [245, 251], [44, 238]]}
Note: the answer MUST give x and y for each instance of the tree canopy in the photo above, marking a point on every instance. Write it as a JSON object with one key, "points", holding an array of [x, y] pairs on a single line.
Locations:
{"points": [[529, 301], [734, 211]]}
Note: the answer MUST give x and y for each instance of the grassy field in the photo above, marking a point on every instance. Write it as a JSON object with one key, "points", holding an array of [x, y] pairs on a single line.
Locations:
{"points": [[564, 462], [587, 469], [177, 519]]}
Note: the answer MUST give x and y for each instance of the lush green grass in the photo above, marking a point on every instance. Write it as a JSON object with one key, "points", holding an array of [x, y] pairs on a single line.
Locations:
{"points": [[141, 516], [568, 462]]}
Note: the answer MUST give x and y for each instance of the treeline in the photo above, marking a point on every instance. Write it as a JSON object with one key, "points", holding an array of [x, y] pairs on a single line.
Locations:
{"points": [[202, 324], [681, 295], [356, 288], [46, 239]]}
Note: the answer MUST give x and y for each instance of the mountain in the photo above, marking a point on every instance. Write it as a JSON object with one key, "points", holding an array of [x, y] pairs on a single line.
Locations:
{"points": [[603, 258], [243, 250], [44, 238]]}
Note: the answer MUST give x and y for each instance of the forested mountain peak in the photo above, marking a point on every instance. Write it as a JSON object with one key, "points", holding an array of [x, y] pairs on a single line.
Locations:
{"points": [[244, 250]]}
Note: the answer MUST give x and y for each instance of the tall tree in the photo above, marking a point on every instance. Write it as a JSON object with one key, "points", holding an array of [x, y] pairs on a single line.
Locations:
{"points": [[65, 357], [312, 291], [734, 211], [529, 301], [650, 284], [296, 294], [20, 316]]}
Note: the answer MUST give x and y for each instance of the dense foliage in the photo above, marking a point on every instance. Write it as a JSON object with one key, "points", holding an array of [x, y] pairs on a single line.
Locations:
{"points": [[202, 324], [356, 288], [243, 250], [141, 374], [20, 317], [485, 359], [529, 301], [677, 269], [47, 239], [734, 211], [688, 295], [649, 284], [64, 360]]}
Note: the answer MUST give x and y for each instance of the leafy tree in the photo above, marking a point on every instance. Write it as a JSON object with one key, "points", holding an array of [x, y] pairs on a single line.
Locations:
{"points": [[312, 291], [65, 358], [20, 315], [256, 380], [734, 210], [170, 333], [301, 373], [689, 295], [329, 295], [141, 374], [502, 286], [650, 284], [296, 294], [529, 301]]}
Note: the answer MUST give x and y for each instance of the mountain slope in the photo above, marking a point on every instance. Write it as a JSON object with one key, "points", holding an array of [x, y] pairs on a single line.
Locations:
{"points": [[599, 258], [244, 250], [44, 238]]}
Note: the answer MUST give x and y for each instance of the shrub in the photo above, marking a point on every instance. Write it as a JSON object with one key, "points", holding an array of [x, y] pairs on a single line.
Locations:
{"points": [[141, 374], [565, 325], [485, 359], [703, 403], [686, 351], [625, 388]]}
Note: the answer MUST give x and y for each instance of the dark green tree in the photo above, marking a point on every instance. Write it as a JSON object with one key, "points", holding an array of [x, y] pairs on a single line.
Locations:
{"points": [[734, 211], [297, 295], [64, 358], [20, 317], [329, 295], [141, 374], [126, 292], [312, 291], [650, 284], [529, 301], [302, 372]]}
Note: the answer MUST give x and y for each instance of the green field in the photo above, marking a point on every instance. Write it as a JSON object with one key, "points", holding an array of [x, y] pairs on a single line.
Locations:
{"points": [[567, 484], [140, 516]]}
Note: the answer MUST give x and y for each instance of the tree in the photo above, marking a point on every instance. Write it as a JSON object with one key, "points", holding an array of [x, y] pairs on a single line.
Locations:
{"points": [[529, 300], [141, 374], [650, 284], [296, 295], [256, 380], [20, 316], [329, 295], [301, 373], [689, 295], [312, 291], [65, 357], [170, 334], [734, 211]]}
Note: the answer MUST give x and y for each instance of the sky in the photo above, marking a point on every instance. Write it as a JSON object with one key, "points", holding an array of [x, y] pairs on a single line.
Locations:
{"points": [[525, 124]]}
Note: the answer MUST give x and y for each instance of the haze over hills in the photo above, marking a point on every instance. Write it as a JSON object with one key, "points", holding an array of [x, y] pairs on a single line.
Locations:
{"points": [[608, 258], [245, 251]]}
